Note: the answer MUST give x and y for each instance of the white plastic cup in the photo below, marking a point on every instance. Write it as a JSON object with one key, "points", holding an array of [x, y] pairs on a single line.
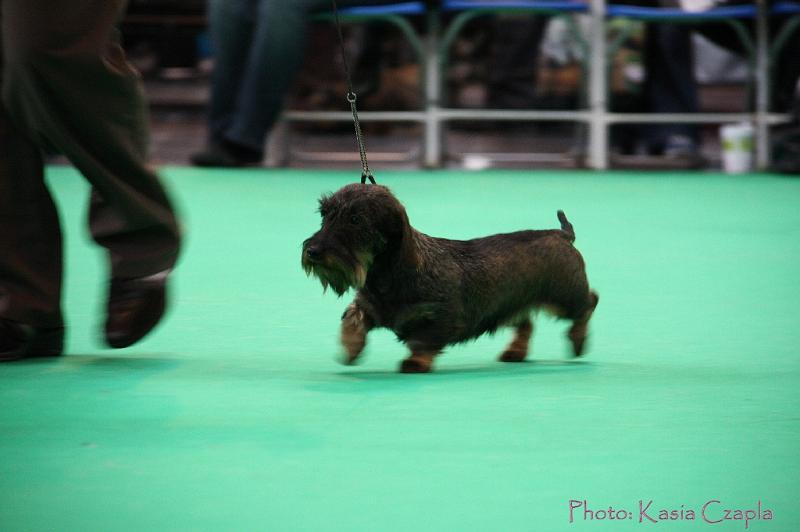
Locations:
{"points": [[737, 148]]}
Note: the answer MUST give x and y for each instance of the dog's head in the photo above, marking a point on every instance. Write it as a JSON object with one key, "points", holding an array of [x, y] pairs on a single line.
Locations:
{"points": [[359, 223]]}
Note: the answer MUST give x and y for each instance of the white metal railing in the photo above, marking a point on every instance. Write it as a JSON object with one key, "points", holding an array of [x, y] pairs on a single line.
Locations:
{"points": [[597, 116]]}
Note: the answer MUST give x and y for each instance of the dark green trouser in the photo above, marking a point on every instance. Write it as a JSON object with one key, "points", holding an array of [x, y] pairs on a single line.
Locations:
{"points": [[66, 84]]}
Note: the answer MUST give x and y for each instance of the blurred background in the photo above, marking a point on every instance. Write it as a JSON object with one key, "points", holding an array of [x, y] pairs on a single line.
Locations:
{"points": [[521, 56]]}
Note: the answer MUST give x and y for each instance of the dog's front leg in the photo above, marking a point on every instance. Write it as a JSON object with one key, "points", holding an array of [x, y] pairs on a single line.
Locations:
{"points": [[355, 326], [420, 360], [517, 350]]}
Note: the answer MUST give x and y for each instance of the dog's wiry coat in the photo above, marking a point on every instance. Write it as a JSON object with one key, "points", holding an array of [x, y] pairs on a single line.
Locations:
{"points": [[433, 292]]}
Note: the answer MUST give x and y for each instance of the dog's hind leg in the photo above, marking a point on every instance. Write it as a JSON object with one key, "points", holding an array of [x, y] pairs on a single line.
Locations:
{"points": [[355, 326], [517, 350], [578, 332]]}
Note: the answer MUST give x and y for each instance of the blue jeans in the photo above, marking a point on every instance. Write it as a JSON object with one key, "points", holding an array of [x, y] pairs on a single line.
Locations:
{"points": [[258, 47], [669, 85]]}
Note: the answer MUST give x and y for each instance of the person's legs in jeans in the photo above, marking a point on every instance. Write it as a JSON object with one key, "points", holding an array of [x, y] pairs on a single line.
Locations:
{"points": [[514, 58], [669, 87], [247, 102], [232, 25]]}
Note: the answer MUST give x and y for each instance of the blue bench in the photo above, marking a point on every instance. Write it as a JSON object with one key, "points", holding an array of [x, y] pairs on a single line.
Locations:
{"points": [[400, 8], [575, 6], [786, 8], [676, 14], [394, 14]]}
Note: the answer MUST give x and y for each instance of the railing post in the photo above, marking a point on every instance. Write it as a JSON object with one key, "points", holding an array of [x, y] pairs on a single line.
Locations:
{"points": [[762, 86], [433, 89], [598, 89]]}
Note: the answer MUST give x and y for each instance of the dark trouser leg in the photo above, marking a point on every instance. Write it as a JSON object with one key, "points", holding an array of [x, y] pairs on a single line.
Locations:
{"points": [[67, 84], [515, 54], [231, 23], [30, 238], [787, 73], [669, 84]]}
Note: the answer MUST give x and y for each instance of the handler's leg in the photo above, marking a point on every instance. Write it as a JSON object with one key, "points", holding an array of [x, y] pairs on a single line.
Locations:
{"points": [[67, 84], [30, 240]]}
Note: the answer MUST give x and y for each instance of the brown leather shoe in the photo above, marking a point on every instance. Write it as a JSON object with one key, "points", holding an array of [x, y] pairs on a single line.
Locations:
{"points": [[18, 341], [135, 306]]}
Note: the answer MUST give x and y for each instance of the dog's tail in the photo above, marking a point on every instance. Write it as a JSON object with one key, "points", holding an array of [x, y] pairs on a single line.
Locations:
{"points": [[566, 227]]}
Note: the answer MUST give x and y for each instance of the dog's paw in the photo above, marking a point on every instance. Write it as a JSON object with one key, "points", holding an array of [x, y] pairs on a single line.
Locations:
{"points": [[578, 340], [353, 334], [578, 348], [512, 355], [349, 360], [415, 365], [353, 347]]}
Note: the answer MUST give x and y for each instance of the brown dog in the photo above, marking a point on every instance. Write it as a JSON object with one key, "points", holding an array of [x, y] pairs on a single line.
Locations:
{"points": [[433, 292]]}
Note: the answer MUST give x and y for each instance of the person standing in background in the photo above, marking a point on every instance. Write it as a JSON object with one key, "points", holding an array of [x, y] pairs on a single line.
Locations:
{"points": [[259, 46]]}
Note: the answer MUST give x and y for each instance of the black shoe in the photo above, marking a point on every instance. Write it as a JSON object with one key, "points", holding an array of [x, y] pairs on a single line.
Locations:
{"points": [[135, 306], [18, 340], [227, 155]]}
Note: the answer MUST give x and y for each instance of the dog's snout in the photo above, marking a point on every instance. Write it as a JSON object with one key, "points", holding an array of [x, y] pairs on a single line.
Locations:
{"points": [[314, 253]]}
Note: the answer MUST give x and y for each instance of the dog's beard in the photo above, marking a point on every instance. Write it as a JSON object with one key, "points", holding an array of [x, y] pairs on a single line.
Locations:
{"points": [[337, 274]]}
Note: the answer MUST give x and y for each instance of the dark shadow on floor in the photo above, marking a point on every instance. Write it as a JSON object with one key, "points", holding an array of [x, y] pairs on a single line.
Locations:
{"points": [[134, 362], [75, 363], [495, 370]]}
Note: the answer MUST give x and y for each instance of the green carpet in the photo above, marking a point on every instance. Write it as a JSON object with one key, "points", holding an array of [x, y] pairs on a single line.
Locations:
{"points": [[235, 415]]}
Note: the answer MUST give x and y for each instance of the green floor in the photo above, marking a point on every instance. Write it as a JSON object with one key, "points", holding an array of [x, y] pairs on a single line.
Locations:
{"points": [[235, 414]]}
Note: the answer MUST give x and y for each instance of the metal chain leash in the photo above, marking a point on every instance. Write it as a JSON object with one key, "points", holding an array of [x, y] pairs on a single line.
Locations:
{"points": [[351, 99]]}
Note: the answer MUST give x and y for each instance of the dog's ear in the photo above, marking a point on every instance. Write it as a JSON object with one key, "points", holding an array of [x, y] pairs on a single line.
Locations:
{"points": [[393, 223], [393, 220]]}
